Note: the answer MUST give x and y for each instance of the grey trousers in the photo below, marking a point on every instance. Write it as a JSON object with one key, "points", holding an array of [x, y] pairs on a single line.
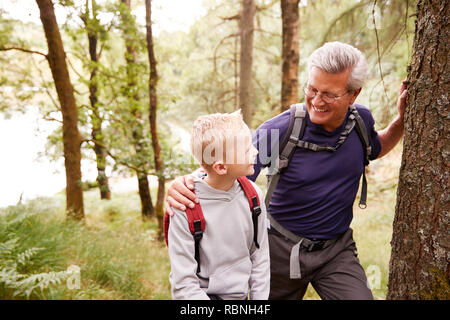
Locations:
{"points": [[334, 272]]}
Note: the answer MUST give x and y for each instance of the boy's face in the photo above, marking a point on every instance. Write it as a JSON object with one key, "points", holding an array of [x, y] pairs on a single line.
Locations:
{"points": [[240, 154]]}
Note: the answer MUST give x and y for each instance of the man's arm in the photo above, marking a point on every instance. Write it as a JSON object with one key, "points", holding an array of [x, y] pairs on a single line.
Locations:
{"points": [[390, 136]]}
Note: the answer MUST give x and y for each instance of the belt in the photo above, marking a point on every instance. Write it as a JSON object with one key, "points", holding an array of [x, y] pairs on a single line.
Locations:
{"points": [[310, 245]]}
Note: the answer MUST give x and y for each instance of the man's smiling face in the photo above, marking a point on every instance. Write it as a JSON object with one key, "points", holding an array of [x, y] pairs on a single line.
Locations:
{"points": [[329, 115]]}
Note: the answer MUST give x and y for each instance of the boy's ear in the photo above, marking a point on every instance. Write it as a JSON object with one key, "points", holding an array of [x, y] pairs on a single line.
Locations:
{"points": [[220, 168]]}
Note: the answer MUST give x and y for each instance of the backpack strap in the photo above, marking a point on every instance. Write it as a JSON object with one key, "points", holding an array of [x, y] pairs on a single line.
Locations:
{"points": [[364, 137], [294, 133], [253, 201], [196, 222]]}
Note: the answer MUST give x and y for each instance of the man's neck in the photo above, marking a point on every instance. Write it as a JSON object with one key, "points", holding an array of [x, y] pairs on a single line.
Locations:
{"points": [[220, 182]]}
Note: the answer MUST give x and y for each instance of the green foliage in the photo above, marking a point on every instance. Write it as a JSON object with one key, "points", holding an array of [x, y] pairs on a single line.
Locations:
{"points": [[116, 253], [20, 264]]}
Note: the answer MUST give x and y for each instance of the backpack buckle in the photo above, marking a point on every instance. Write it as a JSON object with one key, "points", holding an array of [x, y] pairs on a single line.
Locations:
{"points": [[198, 233], [256, 211], [315, 245], [282, 163], [293, 139]]}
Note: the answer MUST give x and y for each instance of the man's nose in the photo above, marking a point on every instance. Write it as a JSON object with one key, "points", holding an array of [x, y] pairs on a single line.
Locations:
{"points": [[317, 100]]}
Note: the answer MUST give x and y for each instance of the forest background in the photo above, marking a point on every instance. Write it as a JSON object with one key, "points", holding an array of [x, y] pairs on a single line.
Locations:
{"points": [[116, 250]]}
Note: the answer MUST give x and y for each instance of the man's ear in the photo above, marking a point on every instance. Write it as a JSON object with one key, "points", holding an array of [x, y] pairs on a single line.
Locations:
{"points": [[355, 95], [220, 168]]}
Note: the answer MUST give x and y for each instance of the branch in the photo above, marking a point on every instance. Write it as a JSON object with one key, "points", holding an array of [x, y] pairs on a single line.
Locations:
{"points": [[218, 46], [268, 32], [129, 166], [341, 16], [267, 6], [55, 103], [24, 50], [48, 118], [378, 50], [73, 68], [237, 16]]}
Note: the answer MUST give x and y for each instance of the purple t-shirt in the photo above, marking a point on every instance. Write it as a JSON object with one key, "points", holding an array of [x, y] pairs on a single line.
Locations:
{"points": [[315, 194]]}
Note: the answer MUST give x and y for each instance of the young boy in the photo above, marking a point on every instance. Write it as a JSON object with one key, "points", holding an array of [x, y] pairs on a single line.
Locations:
{"points": [[231, 266]]}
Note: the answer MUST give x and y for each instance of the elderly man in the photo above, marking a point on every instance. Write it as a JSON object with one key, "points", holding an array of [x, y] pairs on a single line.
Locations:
{"points": [[311, 204]]}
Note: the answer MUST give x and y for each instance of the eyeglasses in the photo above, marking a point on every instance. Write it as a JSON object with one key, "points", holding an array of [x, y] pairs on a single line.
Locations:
{"points": [[327, 97]]}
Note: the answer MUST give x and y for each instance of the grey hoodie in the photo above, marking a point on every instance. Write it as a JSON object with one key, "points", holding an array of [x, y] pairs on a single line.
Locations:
{"points": [[231, 265]]}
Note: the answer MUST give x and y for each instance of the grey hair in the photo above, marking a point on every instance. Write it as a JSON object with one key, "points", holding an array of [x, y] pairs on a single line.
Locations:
{"points": [[336, 57]]}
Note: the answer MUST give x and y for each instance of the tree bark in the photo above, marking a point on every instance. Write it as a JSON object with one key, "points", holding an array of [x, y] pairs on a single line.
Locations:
{"points": [[64, 89], [419, 266], [96, 119], [147, 208], [246, 26], [290, 53], [152, 88]]}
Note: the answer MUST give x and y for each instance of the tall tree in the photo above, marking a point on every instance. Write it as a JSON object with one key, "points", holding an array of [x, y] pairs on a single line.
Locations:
{"points": [[131, 54], [419, 266], [290, 53], [152, 88], [91, 24], [71, 138], [246, 30]]}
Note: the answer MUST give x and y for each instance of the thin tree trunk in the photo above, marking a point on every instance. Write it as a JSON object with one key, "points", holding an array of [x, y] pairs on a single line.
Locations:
{"points": [[96, 119], [152, 88], [290, 53], [246, 26], [147, 208], [64, 89], [419, 266]]}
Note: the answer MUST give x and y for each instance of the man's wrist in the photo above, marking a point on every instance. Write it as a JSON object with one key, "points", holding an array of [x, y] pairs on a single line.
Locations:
{"points": [[398, 122]]}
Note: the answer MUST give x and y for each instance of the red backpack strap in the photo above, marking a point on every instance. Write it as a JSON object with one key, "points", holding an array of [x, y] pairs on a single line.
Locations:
{"points": [[253, 201], [166, 227], [197, 224]]}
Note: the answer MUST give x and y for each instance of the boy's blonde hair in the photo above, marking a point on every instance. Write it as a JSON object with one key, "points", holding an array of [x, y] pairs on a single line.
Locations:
{"points": [[210, 134]]}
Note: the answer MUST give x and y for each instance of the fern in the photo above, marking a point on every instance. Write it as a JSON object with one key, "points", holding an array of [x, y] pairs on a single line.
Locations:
{"points": [[12, 260], [24, 257]]}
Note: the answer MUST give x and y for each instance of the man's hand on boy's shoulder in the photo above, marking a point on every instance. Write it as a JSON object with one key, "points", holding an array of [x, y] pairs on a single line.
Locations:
{"points": [[180, 195]]}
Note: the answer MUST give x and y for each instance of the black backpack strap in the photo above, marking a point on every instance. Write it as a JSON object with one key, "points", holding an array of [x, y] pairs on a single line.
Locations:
{"points": [[197, 224], [362, 133], [198, 235], [364, 137], [256, 211]]}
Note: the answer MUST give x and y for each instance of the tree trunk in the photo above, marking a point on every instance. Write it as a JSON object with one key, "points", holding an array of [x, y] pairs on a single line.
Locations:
{"points": [[246, 27], [64, 89], [147, 209], [152, 86], [96, 119], [290, 53], [419, 265]]}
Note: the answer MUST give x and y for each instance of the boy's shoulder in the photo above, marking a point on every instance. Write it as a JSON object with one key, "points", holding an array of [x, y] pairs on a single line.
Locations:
{"points": [[257, 188]]}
